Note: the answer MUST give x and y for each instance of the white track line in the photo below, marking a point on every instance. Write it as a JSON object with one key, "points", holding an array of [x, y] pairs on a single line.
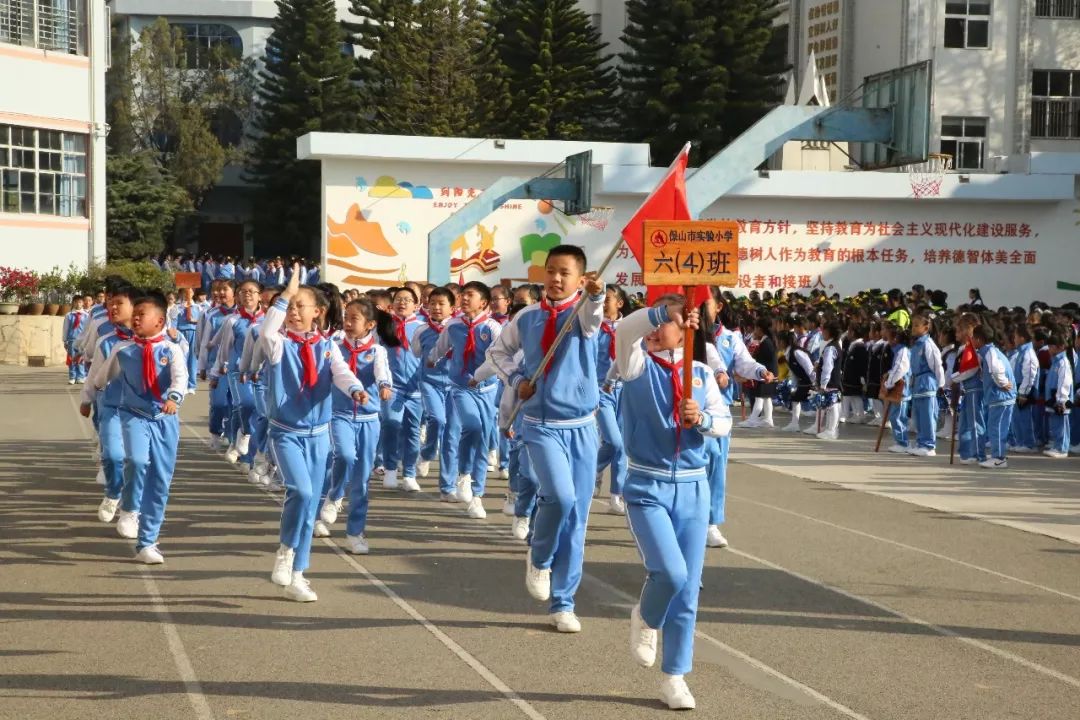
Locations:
{"points": [[464, 655], [192, 687], [912, 548], [1003, 654]]}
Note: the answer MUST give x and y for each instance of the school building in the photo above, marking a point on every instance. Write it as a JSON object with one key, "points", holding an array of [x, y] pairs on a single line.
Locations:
{"points": [[53, 56]]}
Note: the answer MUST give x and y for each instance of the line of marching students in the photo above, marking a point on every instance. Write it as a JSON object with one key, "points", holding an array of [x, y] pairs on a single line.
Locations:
{"points": [[319, 392]]}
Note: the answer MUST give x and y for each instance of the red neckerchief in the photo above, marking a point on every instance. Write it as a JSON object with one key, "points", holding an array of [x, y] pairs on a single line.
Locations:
{"points": [[149, 364], [676, 392], [969, 359], [501, 318], [470, 337], [78, 320], [548, 338], [399, 330], [608, 328], [307, 357], [437, 328], [356, 351], [226, 310], [123, 333], [249, 316]]}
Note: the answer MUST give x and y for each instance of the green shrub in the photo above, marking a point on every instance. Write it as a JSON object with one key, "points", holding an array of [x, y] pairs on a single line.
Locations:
{"points": [[140, 273]]}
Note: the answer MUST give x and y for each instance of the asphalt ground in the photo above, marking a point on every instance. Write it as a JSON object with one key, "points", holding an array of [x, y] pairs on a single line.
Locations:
{"points": [[830, 603]]}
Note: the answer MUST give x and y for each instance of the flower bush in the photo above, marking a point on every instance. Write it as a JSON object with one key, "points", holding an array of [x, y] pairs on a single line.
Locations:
{"points": [[17, 285]]}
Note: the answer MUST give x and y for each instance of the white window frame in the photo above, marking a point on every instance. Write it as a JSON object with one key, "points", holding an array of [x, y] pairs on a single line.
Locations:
{"points": [[965, 138], [57, 25], [968, 18], [1055, 112], [66, 156]]}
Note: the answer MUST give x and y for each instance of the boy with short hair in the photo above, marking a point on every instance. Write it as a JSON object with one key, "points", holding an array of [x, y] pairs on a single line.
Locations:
{"points": [[999, 395], [560, 427], [75, 323], [927, 376], [1058, 396]]}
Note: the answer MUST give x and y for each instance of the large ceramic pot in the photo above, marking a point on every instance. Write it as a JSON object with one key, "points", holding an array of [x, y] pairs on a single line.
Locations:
{"points": [[36, 309], [64, 309], [9, 308], [52, 308]]}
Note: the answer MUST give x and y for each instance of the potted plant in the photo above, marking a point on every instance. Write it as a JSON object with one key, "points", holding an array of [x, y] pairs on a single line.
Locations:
{"points": [[16, 286], [51, 289], [74, 279]]}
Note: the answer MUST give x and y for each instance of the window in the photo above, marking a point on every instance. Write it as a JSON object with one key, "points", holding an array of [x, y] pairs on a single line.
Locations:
{"points": [[1069, 9], [596, 20], [967, 23], [207, 41], [42, 172], [965, 139], [47, 24], [1055, 104]]}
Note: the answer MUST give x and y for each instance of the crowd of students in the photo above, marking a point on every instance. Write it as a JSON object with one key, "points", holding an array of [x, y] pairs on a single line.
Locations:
{"points": [[318, 391]]}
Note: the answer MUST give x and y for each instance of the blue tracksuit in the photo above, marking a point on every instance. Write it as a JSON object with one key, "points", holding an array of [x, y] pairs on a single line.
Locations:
{"points": [[971, 432], [187, 323], [1026, 371], [151, 437], [1059, 391], [299, 417], [898, 412], [560, 432], [107, 408], [355, 428], [926, 379], [433, 382], [75, 324], [470, 411], [666, 491], [252, 363], [234, 332], [401, 416], [999, 401], [220, 401], [612, 452]]}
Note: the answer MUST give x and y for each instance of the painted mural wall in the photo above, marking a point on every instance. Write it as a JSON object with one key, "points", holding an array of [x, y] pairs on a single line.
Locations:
{"points": [[378, 218]]}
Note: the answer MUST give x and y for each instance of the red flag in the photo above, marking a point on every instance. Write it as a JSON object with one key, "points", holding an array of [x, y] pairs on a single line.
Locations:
{"points": [[666, 202]]}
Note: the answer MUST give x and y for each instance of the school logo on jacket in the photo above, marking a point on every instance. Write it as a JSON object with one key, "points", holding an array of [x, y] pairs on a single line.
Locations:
{"points": [[485, 335], [369, 355], [696, 382], [164, 360], [327, 355], [726, 342]]}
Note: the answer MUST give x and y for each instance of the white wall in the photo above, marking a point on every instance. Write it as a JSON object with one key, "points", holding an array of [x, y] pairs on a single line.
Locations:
{"points": [[44, 84], [53, 242]]}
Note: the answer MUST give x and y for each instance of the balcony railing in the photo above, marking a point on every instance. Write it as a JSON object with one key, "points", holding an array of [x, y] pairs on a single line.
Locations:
{"points": [[47, 24], [1055, 118]]}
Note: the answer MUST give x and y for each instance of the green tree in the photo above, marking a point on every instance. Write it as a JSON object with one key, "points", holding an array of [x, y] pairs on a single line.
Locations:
{"points": [[306, 87], [702, 71], [561, 84], [143, 203]]}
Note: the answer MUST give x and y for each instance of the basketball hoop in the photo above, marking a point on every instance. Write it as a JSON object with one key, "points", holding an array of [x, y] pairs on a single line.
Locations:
{"points": [[598, 217], [926, 177]]}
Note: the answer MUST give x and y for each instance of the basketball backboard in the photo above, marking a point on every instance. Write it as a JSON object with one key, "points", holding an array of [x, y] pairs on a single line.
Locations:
{"points": [[907, 92], [579, 169]]}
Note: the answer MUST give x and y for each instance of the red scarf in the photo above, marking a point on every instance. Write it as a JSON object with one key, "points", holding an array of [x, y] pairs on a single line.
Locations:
{"points": [[609, 329], [399, 330], [307, 357], [501, 318], [226, 310], [470, 337], [78, 321], [249, 316], [437, 328], [149, 364], [548, 338], [355, 352], [676, 392], [123, 333]]}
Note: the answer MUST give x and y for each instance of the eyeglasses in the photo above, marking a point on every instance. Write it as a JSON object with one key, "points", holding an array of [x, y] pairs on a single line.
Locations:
{"points": [[301, 307]]}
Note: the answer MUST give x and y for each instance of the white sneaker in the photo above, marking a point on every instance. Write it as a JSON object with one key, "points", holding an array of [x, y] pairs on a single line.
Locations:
{"points": [[923, 452], [1021, 450], [565, 622], [379, 471], [389, 480], [827, 435], [994, 464], [508, 504], [273, 482], [127, 524], [357, 544], [409, 484], [217, 442], [675, 693], [423, 468], [82, 381], [765, 424], [504, 473], [476, 509], [100, 479], [232, 455], [107, 509], [812, 430], [519, 528], [71, 381], [616, 505], [715, 538], [899, 449], [299, 589], [792, 427], [450, 497], [329, 512], [1056, 454], [464, 488], [493, 460], [750, 423], [321, 530], [642, 640], [1075, 449], [243, 443], [943, 434], [150, 555], [537, 581], [968, 461], [283, 562], [254, 477]]}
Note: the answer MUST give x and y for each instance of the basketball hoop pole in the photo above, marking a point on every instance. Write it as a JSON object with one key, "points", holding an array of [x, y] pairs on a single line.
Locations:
{"points": [[562, 333]]}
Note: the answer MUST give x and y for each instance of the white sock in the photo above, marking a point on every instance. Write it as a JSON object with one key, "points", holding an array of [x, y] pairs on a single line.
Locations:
{"points": [[759, 403], [796, 412], [766, 403], [832, 418]]}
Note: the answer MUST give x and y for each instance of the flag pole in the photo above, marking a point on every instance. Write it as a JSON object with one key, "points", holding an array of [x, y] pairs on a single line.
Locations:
{"points": [[562, 333]]}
